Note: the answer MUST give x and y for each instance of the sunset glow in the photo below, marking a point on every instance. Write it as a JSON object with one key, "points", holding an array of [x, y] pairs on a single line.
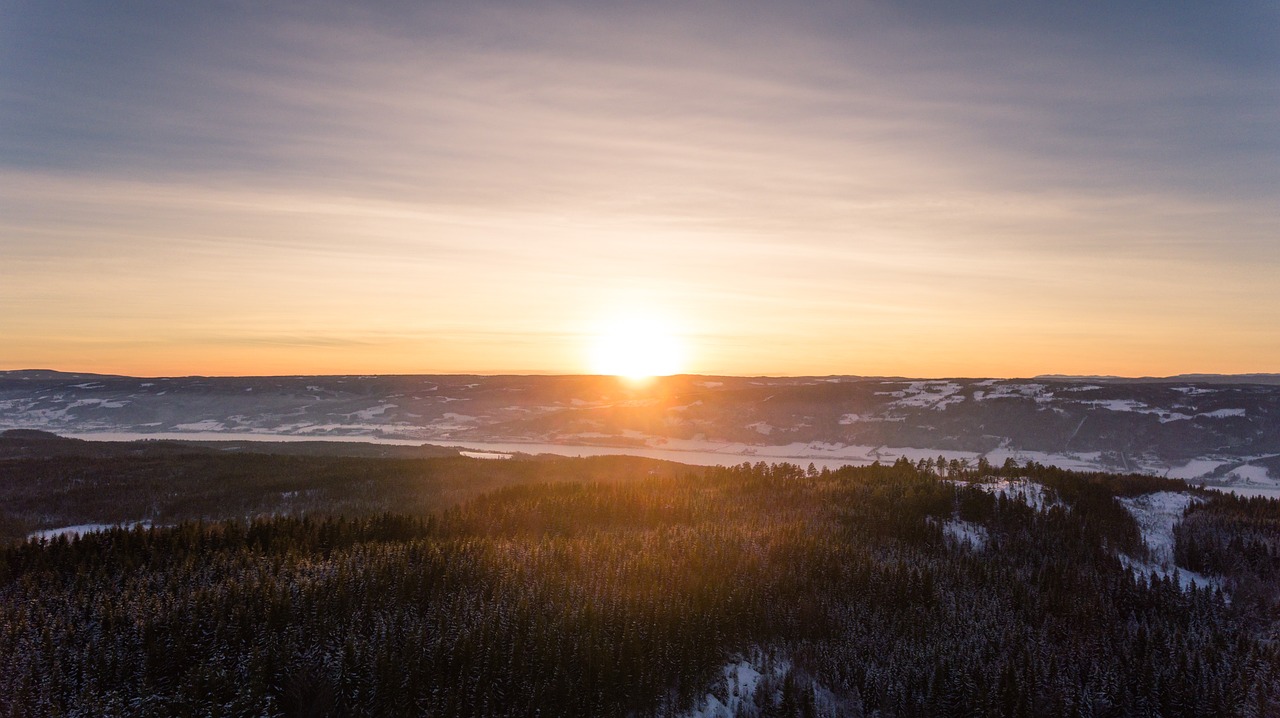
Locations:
{"points": [[833, 188], [636, 348]]}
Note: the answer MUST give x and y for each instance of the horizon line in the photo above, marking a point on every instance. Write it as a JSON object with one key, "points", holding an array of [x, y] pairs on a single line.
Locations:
{"points": [[536, 373]]}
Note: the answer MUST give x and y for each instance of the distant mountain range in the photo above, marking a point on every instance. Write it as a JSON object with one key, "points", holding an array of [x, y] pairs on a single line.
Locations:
{"points": [[1218, 429]]}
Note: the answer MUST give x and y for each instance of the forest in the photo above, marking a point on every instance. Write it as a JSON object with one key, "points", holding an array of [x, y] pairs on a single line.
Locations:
{"points": [[619, 587]]}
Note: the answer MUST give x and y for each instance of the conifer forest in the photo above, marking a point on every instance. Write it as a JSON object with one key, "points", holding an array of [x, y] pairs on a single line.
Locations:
{"points": [[322, 586]]}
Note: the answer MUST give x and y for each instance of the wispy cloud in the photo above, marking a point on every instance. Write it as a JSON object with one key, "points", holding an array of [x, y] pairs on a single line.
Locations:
{"points": [[856, 176]]}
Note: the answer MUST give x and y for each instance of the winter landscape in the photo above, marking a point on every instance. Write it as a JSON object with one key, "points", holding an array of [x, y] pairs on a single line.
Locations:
{"points": [[571, 359], [1219, 431]]}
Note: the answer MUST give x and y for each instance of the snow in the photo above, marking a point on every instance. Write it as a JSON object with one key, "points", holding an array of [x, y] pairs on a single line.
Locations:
{"points": [[742, 680], [1137, 407], [1165, 415], [761, 428], [1222, 413], [1119, 405], [966, 532], [922, 394], [1250, 474], [848, 419], [81, 529], [1024, 490], [99, 403], [227, 436], [1269, 492], [1186, 579], [371, 412], [1194, 469], [740, 689], [203, 425], [1006, 391], [1156, 514], [485, 454]]}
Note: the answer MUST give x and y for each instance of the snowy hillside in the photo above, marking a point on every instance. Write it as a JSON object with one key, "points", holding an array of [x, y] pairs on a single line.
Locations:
{"points": [[1199, 430]]}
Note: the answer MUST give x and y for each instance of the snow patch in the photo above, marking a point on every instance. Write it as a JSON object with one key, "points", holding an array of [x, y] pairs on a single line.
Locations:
{"points": [[966, 532], [1024, 490], [923, 394], [1156, 514], [368, 414], [99, 403], [1250, 474], [81, 529], [741, 681], [754, 687], [1011, 391], [203, 425], [1194, 469], [1142, 570]]}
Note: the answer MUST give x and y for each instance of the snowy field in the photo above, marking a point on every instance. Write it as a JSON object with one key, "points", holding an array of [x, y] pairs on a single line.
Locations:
{"points": [[1157, 513], [82, 529]]}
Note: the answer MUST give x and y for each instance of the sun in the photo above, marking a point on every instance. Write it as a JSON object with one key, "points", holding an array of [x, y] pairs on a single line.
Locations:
{"points": [[636, 348]]}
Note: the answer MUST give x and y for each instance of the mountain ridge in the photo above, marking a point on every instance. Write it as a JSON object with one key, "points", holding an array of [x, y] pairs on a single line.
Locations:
{"points": [[1202, 429]]}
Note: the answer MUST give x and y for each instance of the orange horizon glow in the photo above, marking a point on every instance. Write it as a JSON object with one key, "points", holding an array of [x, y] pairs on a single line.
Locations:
{"points": [[851, 189], [252, 363]]}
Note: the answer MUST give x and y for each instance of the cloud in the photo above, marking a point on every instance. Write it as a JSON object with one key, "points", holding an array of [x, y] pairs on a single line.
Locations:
{"points": [[844, 168]]}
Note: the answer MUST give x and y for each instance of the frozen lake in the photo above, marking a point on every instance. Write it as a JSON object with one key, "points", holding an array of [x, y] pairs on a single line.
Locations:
{"points": [[731, 454]]}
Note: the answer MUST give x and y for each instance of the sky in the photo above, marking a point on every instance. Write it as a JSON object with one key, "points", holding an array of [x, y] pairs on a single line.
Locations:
{"points": [[807, 188]]}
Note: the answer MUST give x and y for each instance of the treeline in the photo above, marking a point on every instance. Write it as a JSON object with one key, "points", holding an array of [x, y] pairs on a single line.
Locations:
{"points": [[1237, 538], [624, 598], [164, 487]]}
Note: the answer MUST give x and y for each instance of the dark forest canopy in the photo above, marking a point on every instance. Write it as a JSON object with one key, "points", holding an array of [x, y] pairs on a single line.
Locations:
{"points": [[620, 587]]}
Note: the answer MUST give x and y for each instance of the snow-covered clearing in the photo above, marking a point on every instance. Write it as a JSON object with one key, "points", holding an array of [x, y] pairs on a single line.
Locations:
{"points": [[82, 529], [966, 532], [368, 414], [849, 419], [1157, 513], [1008, 391], [1024, 490], [936, 394], [741, 681], [1194, 469], [202, 425], [99, 403], [1137, 407], [745, 687], [1251, 474], [1223, 413], [1186, 579]]}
